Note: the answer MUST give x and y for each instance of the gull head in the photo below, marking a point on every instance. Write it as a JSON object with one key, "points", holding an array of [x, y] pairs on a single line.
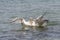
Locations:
{"points": [[46, 21]]}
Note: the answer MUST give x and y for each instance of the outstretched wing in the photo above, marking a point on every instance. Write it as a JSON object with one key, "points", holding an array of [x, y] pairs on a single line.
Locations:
{"points": [[39, 18], [13, 20]]}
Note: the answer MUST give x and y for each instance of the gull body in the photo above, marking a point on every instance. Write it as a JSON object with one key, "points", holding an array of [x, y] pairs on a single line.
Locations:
{"points": [[38, 22]]}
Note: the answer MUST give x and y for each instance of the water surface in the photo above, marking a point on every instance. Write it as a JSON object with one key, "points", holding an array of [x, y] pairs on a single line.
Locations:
{"points": [[29, 8]]}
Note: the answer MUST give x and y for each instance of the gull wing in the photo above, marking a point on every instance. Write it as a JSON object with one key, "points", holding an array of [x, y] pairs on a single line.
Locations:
{"points": [[39, 18], [13, 20]]}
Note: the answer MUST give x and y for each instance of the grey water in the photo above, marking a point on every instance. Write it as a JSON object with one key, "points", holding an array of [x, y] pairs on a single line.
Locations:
{"points": [[10, 9]]}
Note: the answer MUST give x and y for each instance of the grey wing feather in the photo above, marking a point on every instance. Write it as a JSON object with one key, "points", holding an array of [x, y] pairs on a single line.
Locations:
{"points": [[39, 18]]}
